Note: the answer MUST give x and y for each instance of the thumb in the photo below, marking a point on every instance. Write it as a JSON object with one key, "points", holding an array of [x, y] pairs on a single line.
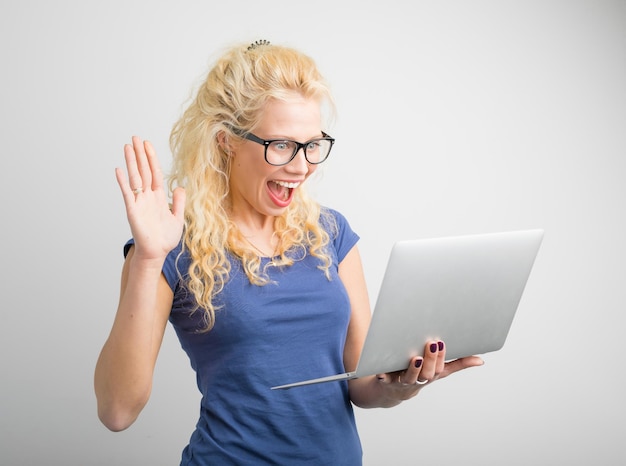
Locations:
{"points": [[178, 203]]}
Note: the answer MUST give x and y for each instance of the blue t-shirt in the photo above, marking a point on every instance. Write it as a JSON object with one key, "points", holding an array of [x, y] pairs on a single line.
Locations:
{"points": [[291, 329]]}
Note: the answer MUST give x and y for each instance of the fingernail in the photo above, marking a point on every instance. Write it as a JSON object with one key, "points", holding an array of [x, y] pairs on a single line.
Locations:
{"points": [[418, 363], [440, 345], [433, 347]]}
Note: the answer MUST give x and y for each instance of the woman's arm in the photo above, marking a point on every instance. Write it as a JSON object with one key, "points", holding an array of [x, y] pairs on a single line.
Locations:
{"points": [[124, 371], [123, 375]]}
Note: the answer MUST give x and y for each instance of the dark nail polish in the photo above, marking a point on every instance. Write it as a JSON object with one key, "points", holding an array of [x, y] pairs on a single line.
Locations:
{"points": [[433, 347], [440, 345], [418, 363]]}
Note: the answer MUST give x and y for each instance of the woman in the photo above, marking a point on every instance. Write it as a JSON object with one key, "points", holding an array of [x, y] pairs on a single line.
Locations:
{"points": [[262, 285]]}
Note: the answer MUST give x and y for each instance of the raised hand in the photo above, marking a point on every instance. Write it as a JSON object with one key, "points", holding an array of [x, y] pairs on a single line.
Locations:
{"points": [[155, 227]]}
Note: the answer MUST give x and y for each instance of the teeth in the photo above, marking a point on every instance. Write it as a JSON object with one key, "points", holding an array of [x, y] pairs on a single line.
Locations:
{"points": [[284, 184]]}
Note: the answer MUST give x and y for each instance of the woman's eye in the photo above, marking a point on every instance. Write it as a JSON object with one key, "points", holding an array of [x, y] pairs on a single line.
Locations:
{"points": [[281, 145], [312, 146]]}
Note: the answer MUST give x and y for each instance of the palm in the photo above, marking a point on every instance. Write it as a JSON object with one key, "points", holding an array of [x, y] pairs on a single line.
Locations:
{"points": [[156, 228]]}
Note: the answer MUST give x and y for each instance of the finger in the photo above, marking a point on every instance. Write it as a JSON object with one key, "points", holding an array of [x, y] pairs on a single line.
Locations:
{"points": [[134, 177], [460, 364], [441, 357], [127, 193], [143, 165], [412, 375], [429, 366], [156, 174]]}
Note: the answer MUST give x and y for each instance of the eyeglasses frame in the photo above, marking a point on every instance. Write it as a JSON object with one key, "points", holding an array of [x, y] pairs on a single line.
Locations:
{"points": [[299, 145]]}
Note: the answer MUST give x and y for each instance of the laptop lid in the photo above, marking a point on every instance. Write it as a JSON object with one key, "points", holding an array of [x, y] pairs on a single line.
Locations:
{"points": [[463, 290]]}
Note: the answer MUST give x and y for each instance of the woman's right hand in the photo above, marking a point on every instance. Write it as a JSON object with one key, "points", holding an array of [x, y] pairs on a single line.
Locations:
{"points": [[155, 227]]}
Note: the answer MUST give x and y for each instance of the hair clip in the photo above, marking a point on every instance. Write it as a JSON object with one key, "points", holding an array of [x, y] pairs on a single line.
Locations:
{"points": [[258, 43]]}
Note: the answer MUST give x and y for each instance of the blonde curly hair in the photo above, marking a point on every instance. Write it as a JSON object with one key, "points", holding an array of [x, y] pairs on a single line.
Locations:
{"points": [[230, 102]]}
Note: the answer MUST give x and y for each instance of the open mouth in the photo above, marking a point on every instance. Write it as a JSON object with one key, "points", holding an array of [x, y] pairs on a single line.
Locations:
{"points": [[281, 191]]}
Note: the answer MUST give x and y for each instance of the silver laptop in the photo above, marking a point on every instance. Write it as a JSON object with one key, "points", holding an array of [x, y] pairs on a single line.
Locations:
{"points": [[463, 290]]}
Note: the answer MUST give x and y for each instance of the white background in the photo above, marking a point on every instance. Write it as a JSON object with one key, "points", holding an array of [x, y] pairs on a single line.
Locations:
{"points": [[455, 117]]}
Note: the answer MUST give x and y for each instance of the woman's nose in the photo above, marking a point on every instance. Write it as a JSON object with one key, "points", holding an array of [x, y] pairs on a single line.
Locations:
{"points": [[299, 163]]}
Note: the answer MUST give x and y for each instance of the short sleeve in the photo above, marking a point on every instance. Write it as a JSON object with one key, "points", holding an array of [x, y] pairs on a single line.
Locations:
{"points": [[343, 236]]}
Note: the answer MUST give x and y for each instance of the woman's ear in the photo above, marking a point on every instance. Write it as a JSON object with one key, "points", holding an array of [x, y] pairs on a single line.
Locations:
{"points": [[224, 143]]}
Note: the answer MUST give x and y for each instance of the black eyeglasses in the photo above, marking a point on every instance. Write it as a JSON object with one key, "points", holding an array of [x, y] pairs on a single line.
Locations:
{"points": [[282, 151]]}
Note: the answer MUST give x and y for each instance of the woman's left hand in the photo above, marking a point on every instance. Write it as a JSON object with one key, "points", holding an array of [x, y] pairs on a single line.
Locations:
{"points": [[423, 371]]}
